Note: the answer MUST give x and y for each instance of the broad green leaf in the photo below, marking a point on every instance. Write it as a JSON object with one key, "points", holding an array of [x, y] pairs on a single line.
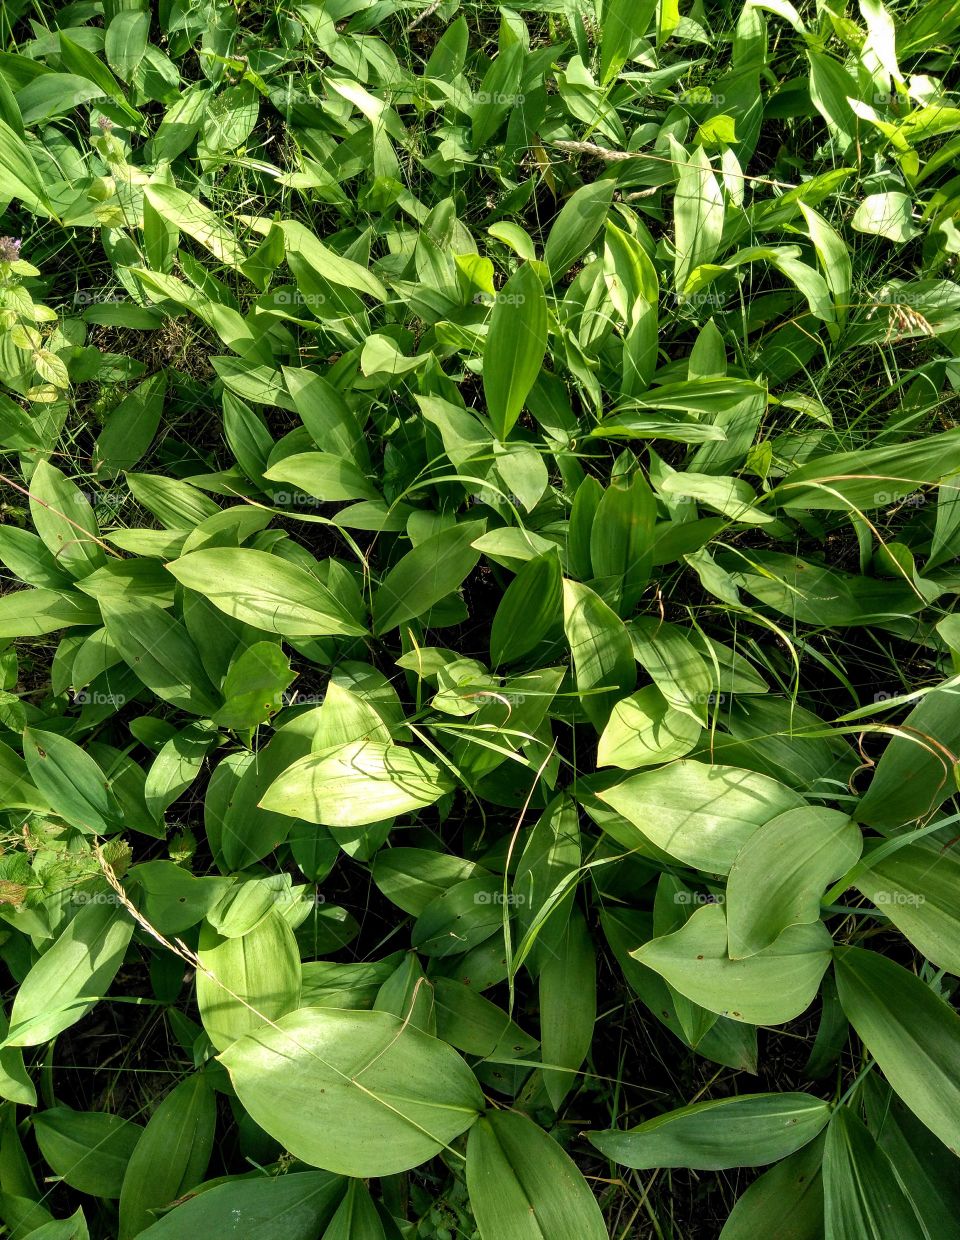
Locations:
{"points": [[580, 220], [384, 1097], [185, 212], [623, 25], [253, 1208], [621, 540], [21, 177], [158, 648], [873, 478], [913, 1035], [72, 974], [543, 885], [362, 782], [778, 877], [523, 1186], [514, 348], [265, 591], [248, 979], [432, 570], [31, 613], [916, 888], [131, 426], [71, 782], [413, 877], [861, 1195], [568, 1006], [254, 686], [476, 1026], [697, 214], [90, 1150], [65, 521], [769, 988], [602, 654], [674, 665], [323, 475], [786, 1201], [528, 610], [915, 774], [171, 898], [698, 813], [887, 215], [645, 730], [749, 1130], [171, 1156]]}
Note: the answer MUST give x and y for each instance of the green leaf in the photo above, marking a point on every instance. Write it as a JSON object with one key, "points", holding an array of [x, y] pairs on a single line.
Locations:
{"points": [[568, 1006], [602, 653], [786, 1201], [186, 213], [861, 1195], [359, 783], [90, 1150], [171, 1156], [254, 686], [873, 478], [514, 347], [674, 665], [528, 610], [575, 228], [265, 591], [523, 1186], [697, 214], [779, 875], [158, 648], [645, 730], [130, 427], [384, 1097], [303, 1200], [886, 215], [915, 774], [916, 888], [913, 1035], [71, 975], [769, 988], [425, 575], [21, 177], [413, 877], [750, 1130], [65, 521], [623, 25], [700, 814], [71, 782], [248, 979], [323, 475]]}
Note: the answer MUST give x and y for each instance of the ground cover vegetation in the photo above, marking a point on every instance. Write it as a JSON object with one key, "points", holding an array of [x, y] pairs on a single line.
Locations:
{"points": [[478, 654]]}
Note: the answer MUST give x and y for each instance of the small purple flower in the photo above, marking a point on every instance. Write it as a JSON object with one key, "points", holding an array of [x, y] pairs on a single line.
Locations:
{"points": [[9, 249], [104, 123]]}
